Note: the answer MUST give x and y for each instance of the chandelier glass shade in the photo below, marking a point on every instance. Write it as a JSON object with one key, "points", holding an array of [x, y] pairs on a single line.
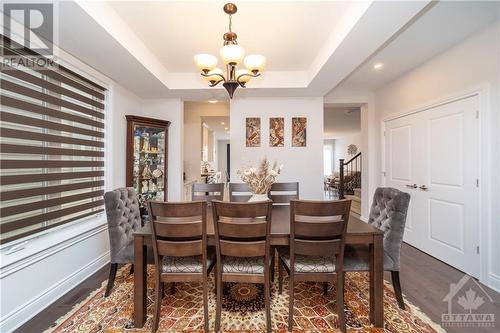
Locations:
{"points": [[232, 55]]}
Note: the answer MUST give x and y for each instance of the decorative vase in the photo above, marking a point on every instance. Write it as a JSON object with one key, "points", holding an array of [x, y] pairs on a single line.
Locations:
{"points": [[258, 197]]}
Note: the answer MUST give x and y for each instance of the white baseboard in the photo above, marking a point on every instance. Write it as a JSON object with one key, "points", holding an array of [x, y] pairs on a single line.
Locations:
{"points": [[493, 282], [21, 315]]}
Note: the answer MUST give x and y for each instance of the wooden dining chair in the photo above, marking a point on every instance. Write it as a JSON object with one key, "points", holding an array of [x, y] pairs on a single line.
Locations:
{"points": [[243, 248], [239, 192], [282, 193], [316, 253], [207, 192], [180, 248]]}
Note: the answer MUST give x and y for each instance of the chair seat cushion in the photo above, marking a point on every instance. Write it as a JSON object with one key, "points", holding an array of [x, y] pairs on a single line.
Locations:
{"points": [[243, 265], [309, 264], [191, 264], [357, 258]]}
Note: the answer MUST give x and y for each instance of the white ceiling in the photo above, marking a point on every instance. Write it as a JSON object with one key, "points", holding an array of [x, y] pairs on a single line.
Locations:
{"points": [[436, 30], [339, 122], [311, 46], [288, 33], [148, 46]]}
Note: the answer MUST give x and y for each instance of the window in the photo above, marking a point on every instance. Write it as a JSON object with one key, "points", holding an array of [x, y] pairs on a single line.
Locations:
{"points": [[327, 158], [52, 148]]}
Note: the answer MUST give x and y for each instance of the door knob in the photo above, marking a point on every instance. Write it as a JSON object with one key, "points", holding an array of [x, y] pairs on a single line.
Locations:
{"points": [[423, 188], [411, 185]]}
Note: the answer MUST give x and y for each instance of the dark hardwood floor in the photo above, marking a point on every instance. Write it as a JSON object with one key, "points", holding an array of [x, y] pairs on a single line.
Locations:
{"points": [[425, 282]]}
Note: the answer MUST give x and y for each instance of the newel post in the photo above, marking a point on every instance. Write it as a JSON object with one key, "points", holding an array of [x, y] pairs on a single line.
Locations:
{"points": [[341, 179]]}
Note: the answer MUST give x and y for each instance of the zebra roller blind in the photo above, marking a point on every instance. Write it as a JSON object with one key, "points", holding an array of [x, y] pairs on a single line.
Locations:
{"points": [[51, 146]]}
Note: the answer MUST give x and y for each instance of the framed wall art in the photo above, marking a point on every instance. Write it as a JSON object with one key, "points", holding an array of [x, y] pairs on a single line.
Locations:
{"points": [[276, 132], [299, 127], [253, 132]]}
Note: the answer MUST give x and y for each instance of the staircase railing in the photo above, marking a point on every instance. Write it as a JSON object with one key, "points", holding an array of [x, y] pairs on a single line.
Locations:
{"points": [[349, 175]]}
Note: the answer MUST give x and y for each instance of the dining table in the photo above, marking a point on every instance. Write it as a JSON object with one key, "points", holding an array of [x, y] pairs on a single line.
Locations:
{"points": [[358, 232]]}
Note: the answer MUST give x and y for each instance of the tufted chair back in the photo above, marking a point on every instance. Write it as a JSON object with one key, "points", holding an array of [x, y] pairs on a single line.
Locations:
{"points": [[122, 210], [388, 213]]}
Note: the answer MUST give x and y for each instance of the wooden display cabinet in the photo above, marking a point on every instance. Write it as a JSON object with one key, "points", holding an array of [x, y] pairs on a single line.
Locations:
{"points": [[147, 159]]}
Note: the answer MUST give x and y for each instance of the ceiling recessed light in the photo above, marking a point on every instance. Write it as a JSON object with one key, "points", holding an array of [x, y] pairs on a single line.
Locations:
{"points": [[212, 101], [378, 66], [222, 123], [225, 128]]}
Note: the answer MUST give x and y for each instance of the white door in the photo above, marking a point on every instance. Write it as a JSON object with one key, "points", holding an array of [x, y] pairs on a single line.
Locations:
{"points": [[437, 150]]}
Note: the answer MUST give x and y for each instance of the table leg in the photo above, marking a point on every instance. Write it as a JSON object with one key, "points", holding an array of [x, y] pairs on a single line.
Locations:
{"points": [[140, 275], [377, 282]]}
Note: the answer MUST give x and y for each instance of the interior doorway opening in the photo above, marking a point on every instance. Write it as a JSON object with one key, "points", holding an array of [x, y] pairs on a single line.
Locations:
{"points": [[206, 144], [215, 149], [342, 155]]}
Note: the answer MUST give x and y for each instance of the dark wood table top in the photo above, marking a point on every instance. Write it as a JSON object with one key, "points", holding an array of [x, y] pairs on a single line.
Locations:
{"points": [[280, 227]]}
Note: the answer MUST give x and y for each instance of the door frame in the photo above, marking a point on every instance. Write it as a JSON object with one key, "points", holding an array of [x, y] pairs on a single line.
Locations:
{"points": [[485, 140]]}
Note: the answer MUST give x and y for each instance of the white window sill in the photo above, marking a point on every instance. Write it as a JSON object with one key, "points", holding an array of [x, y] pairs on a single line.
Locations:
{"points": [[37, 247]]}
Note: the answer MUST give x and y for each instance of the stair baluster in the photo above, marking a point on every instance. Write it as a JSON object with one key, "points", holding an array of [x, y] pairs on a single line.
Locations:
{"points": [[349, 175]]}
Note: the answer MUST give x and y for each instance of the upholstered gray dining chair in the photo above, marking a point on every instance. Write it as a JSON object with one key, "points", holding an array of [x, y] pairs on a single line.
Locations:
{"points": [[124, 217], [388, 213]]}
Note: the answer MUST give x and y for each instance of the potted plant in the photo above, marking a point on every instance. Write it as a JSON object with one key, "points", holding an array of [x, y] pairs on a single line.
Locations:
{"points": [[260, 179]]}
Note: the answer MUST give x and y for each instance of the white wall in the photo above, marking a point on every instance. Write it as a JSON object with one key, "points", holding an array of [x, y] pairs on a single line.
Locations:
{"points": [[221, 154], [193, 111], [303, 164], [340, 148], [173, 111], [341, 121], [469, 66], [329, 144]]}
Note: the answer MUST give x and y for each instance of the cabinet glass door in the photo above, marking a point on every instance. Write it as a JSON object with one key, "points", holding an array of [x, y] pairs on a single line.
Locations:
{"points": [[148, 165]]}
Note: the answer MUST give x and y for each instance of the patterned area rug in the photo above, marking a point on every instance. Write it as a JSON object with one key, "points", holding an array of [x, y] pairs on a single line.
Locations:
{"points": [[242, 309]]}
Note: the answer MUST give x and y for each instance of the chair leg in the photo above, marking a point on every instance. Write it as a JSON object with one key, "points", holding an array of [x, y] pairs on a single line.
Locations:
{"points": [[111, 279], [343, 279], [273, 262], [205, 302], [397, 289], [267, 302], [216, 277], [172, 288], [280, 277], [290, 303], [131, 269], [340, 301], [325, 288], [158, 298], [218, 307]]}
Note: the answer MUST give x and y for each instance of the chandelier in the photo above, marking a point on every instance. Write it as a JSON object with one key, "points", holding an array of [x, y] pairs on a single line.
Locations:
{"points": [[232, 54]]}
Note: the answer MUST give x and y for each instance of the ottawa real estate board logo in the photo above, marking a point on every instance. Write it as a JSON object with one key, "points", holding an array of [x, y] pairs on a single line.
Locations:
{"points": [[469, 305]]}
